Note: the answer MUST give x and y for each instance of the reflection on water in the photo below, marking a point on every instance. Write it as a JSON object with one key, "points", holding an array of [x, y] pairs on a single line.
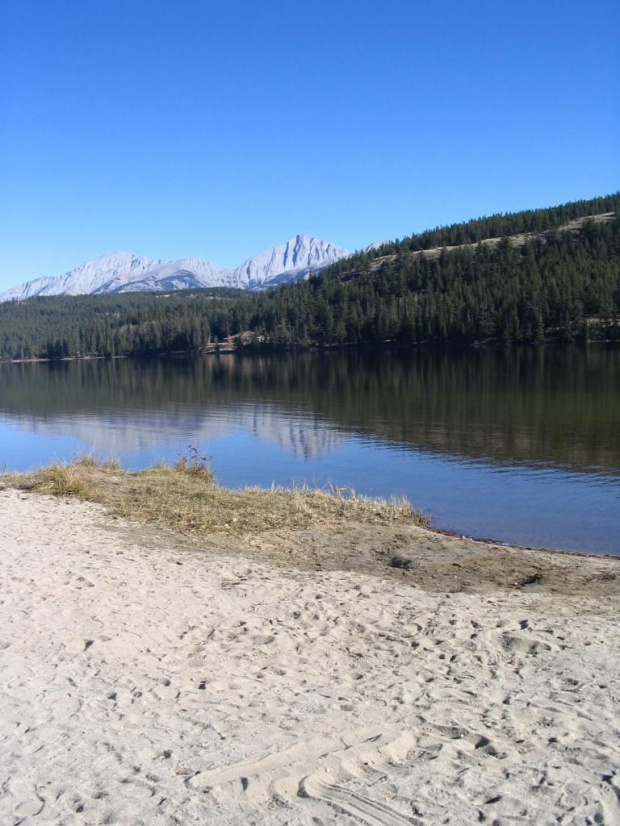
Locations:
{"points": [[484, 439], [133, 433]]}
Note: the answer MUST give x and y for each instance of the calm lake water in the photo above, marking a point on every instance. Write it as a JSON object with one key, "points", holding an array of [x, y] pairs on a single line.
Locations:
{"points": [[521, 445]]}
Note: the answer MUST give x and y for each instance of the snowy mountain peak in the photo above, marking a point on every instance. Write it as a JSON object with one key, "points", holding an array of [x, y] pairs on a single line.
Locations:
{"points": [[116, 259], [297, 258], [120, 272]]}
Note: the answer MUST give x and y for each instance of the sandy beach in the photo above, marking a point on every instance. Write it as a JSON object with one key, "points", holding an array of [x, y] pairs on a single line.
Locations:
{"points": [[300, 678]]}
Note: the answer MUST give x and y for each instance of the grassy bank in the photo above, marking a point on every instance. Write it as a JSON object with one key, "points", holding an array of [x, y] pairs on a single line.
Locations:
{"points": [[187, 497], [308, 529]]}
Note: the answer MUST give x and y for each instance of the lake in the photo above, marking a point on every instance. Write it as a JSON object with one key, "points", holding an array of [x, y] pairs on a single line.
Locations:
{"points": [[517, 444]]}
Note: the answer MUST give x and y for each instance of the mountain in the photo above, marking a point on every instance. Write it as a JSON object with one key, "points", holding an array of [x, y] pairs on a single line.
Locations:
{"points": [[292, 261], [88, 278], [123, 272], [530, 276]]}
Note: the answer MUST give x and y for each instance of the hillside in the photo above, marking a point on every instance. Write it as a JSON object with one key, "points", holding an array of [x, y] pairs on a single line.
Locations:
{"points": [[540, 274], [518, 240]]}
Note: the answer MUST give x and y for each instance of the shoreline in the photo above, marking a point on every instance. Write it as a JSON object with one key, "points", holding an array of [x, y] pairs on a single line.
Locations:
{"points": [[517, 547], [262, 350], [316, 530], [89, 465]]}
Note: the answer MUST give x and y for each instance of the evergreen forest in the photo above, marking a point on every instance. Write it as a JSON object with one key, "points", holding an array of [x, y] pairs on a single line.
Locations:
{"points": [[548, 274]]}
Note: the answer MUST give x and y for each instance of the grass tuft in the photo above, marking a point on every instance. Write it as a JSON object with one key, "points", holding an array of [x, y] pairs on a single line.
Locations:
{"points": [[62, 480], [85, 460], [194, 464]]}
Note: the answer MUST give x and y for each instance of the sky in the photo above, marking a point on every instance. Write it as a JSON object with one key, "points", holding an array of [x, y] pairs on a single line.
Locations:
{"points": [[181, 128]]}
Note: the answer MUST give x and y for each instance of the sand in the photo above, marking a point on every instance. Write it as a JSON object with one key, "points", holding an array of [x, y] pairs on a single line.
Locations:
{"points": [[146, 681]]}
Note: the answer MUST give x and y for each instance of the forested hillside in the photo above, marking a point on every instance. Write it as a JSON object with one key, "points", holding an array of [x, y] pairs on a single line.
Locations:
{"points": [[527, 276]]}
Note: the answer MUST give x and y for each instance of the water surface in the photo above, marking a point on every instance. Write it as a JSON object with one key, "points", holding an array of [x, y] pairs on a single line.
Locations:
{"points": [[521, 445]]}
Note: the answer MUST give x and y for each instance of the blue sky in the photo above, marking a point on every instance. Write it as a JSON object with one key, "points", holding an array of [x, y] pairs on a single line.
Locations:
{"points": [[194, 128]]}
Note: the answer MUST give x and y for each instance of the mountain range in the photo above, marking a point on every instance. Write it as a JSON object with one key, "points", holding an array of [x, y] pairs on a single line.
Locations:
{"points": [[123, 272]]}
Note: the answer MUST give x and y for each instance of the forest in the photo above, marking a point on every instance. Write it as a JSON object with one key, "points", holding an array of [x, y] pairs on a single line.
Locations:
{"points": [[521, 277]]}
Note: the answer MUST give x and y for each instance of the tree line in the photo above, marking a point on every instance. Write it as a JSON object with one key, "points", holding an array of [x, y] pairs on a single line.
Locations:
{"points": [[560, 284]]}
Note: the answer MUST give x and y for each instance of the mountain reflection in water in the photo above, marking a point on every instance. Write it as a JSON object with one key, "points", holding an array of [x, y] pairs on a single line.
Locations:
{"points": [[131, 433]]}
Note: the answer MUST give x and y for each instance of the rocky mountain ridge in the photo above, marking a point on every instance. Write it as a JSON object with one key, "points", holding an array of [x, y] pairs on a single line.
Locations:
{"points": [[123, 272]]}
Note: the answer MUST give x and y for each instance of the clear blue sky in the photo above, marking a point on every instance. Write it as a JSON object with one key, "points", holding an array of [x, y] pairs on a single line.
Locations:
{"points": [[174, 128]]}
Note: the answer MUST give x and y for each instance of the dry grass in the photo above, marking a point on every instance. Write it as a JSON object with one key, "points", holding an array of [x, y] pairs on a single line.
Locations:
{"points": [[187, 498], [56, 480], [89, 460], [85, 460]]}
